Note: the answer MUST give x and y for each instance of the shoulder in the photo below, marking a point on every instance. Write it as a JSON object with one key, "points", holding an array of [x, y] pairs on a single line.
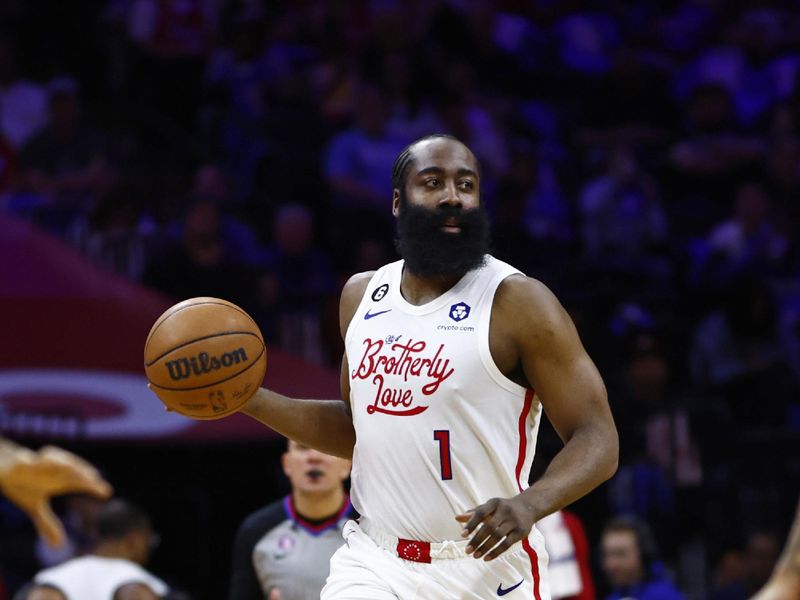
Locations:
{"points": [[528, 299], [527, 312], [351, 296], [256, 524]]}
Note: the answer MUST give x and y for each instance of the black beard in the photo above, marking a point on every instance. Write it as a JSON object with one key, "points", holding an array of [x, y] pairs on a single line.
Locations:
{"points": [[429, 252]]}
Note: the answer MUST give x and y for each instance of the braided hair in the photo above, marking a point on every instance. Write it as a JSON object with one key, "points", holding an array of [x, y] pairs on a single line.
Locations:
{"points": [[405, 158]]}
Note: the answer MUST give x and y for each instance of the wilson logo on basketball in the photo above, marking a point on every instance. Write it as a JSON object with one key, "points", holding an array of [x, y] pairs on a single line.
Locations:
{"points": [[183, 368]]}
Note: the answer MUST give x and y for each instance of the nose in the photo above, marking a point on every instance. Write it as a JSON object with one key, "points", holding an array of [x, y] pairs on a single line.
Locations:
{"points": [[314, 455], [451, 196]]}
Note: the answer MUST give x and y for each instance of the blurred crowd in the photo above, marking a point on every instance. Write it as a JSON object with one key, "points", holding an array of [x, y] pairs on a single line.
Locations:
{"points": [[641, 158]]}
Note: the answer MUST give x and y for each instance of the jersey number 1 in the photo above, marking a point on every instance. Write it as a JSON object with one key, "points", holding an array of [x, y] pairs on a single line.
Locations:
{"points": [[443, 437]]}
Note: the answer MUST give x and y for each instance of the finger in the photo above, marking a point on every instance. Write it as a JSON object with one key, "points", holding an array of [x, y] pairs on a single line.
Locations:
{"points": [[479, 515], [275, 594], [47, 525], [491, 533], [464, 517], [511, 538]]}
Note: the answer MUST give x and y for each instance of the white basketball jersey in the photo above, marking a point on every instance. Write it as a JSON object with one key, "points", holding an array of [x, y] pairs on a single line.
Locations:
{"points": [[439, 429], [97, 578]]}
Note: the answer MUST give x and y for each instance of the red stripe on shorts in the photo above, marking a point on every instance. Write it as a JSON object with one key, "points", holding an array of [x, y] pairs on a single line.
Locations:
{"points": [[523, 446], [526, 545]]}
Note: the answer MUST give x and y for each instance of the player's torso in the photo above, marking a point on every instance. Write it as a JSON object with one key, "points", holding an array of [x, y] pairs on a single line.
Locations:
{"points": [[439, 429]]}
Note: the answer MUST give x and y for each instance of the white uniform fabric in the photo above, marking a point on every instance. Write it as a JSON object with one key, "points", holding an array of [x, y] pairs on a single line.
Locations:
{"points": [[563, 571], [364, 569], [97, 578], [439, 429]]}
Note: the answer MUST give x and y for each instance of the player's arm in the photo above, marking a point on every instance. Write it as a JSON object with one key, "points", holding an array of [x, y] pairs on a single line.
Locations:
{"points": [[785, 581], [574, 398], [326, 425], [29, 479]]}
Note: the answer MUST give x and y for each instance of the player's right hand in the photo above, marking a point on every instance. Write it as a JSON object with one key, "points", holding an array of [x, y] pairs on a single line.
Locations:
{"points": [[35, 477]]}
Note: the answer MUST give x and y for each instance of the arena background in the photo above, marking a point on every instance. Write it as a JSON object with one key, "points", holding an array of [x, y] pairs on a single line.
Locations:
{"points": [[642, 160]]}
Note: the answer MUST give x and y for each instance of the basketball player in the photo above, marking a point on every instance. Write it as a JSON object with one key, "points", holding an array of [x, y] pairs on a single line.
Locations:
{"points": [[784, 584], [29, 479], [450, 358], [283, 551]]}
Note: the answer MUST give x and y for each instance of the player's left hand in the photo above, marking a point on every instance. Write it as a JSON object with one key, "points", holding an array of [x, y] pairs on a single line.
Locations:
{"points": [[503, 522]]}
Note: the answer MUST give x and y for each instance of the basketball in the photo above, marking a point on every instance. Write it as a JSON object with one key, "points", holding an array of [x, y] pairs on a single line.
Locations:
{"points": [[204, 358]]}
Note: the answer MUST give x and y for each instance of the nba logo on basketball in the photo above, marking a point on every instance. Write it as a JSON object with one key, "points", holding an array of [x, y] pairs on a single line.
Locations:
{"points": [[459, 312]]}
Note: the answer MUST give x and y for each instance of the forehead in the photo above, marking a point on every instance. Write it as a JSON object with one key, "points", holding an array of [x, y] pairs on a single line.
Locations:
{"points": [[293, 446], [445, 154], [619, 537]]}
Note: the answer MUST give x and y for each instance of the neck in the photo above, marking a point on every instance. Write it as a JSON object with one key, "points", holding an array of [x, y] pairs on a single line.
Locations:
{"points": [[419, 290], [112, 549], [317, 507]]}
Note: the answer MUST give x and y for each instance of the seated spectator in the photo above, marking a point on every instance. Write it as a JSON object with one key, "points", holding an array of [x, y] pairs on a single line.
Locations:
{"points": [[305, 280], [120, 236], [621, 211], [630, 561], [712, 143], [199, 263], [755, 566], [359, 160], [737, 351], [113, 570], [172, 40], [747, 243], [624, 228], [24, 103], [65, 165]]}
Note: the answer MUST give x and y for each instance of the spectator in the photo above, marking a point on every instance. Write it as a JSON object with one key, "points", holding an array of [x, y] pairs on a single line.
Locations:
{"points": [[568, 550], [630, 562], [746, 243], [24, 104], [359, 160], [621, 212], [173, 40], [66, 164], [306, 282], [756, 565], [114, 567], [282, 551], [199, 263], [737, 351]]}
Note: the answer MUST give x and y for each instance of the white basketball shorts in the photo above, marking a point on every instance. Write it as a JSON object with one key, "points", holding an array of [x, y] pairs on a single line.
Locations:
{"points": [[369, 567]]}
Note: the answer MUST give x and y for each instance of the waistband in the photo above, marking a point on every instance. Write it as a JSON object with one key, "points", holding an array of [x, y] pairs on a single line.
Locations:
{"points": [[415, 550]]}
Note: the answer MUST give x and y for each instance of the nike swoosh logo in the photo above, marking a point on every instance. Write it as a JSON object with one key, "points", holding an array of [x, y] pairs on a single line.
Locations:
{"points": [[369, 315], [503, 592]]}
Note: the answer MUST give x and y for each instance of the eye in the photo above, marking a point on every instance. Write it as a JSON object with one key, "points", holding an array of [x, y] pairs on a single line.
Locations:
{"points": [[432, 182], [466, 185]]}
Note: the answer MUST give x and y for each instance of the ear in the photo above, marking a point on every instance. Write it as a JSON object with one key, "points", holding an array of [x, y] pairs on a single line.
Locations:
{"points": [[395, 202], [345, 473]]}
